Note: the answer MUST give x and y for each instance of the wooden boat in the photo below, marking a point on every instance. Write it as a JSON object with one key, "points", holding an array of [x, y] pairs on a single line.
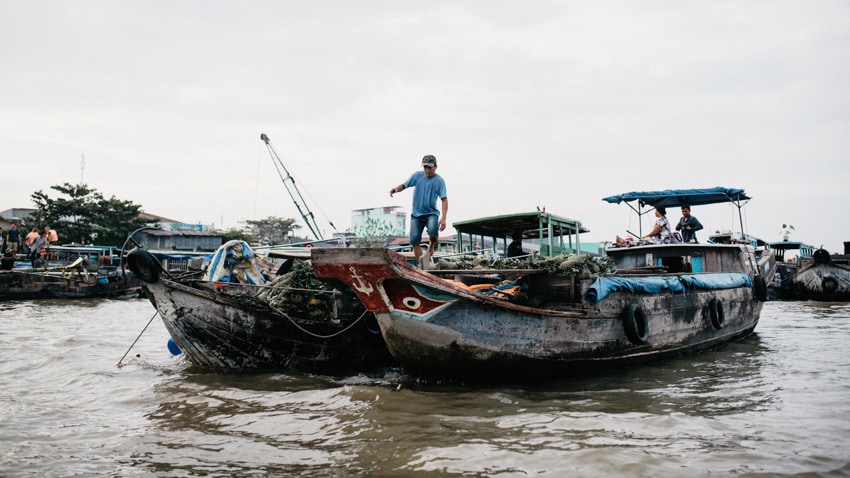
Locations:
{"points": [[823, 277], [70, 272], [664, 300], [789, 256], [232, 322]]}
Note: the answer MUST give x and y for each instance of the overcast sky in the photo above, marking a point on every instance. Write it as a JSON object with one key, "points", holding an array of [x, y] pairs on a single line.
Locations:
{"points": [[525, 104]]}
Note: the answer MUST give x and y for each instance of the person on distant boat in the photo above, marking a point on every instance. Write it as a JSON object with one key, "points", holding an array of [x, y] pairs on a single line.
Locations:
{"points": [[429, 187], [51, 235], [28, 241], [36, 247], [52, 238], [515, 247], [13, 239], [8, 260], [660, 233], [689, 225]]}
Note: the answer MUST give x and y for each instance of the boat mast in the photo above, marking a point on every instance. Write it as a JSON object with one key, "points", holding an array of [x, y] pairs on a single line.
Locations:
{"points": [[292, 189]]}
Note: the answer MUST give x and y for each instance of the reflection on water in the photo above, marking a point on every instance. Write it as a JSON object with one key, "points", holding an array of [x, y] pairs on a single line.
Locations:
{"points": [[772, 404]]}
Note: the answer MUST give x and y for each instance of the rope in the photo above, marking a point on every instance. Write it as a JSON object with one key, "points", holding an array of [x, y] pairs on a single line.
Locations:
{"points": [[263, 286], [311, 334], [137, 339]]}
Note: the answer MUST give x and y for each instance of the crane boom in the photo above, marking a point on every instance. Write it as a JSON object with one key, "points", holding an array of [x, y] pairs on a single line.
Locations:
{"points": [[293, 191]]}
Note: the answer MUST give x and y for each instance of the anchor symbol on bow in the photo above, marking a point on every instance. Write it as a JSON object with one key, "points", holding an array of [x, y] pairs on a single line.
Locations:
{"points": [[359, 285]]}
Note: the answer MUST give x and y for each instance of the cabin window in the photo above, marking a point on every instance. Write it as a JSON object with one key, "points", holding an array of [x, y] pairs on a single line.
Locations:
{"points": [[696, 264], [675, 264]]}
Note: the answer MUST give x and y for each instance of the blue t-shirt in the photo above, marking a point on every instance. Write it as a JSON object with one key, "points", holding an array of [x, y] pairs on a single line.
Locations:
{"points": [[426, 194]]}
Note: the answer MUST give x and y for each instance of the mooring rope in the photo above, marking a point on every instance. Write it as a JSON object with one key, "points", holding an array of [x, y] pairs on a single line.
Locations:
{"points": [[137, 339], [263, 286], [335, 334]]}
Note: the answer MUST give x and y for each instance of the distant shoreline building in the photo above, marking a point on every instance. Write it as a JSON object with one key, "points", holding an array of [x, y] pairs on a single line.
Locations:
{"points": [[174, 226], [386, 220]]}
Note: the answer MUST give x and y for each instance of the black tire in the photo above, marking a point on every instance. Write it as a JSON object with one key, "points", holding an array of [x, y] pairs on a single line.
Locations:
{"points": [[829, 284], [760, 288], [371, 324], [821, 256], [718, 316], [144, 265], [635, 324]]}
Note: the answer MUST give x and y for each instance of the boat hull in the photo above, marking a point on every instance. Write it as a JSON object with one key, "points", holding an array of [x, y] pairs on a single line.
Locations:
{"points": [[217, 333], [823, 282], [436, 328], [33, 285], [469, 340]]}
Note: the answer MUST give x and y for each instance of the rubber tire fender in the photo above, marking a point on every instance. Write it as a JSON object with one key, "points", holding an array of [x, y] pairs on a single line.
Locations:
{"points": [[144, 265], [718, 316], [635, 324], [821, 256], [829, 285], [760, 288]]}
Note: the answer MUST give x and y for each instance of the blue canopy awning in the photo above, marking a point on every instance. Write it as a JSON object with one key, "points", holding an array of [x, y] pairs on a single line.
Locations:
{"points": [[681, 197]]}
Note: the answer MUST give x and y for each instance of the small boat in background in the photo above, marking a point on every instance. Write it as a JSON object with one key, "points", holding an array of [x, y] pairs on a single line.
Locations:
{"points": [[789, 255], [823, 277], [69, 272]]}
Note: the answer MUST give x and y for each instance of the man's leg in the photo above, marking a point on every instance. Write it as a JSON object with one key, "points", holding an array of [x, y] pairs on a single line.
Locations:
{"points": [[433, 227], [416, 226], [417, 253]]}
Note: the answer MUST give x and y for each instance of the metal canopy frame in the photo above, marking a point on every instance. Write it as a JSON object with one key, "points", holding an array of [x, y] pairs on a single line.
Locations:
{"points": [[533, 225], [679, 198]]}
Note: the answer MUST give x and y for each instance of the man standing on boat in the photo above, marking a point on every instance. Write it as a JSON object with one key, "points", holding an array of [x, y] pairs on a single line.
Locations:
{"points": [[429, 187], [13, 239], [688, 224]]}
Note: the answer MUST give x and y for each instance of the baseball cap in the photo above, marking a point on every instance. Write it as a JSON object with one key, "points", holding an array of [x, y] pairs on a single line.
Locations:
{"points": [[429, 160]]}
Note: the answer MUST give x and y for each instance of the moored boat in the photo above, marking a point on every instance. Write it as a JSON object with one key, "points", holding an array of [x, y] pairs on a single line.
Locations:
{"points": [[69, 272], [662, 300], [789, 255], [233, 318], [823, 277]]}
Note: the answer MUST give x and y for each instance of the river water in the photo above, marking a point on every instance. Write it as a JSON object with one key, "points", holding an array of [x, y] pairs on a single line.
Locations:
{"points": [[774, 404]]}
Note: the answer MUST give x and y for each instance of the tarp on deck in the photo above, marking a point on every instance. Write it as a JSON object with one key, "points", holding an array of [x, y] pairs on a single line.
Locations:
{"points": [[233, 262], [603, 286]]}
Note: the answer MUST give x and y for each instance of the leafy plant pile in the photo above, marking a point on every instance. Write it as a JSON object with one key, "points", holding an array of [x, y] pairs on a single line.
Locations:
{"points": [[297, 293], [569, 265]]}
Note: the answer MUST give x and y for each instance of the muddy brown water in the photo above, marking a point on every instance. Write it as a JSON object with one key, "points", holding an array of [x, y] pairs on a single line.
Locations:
{"points": [[774, 404]]}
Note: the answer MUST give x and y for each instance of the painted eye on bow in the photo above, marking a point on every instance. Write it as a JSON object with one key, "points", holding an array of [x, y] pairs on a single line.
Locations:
{"points": [[411, 302]]}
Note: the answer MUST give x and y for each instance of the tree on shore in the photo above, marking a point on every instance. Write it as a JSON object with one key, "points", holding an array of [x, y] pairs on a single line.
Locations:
{"points": [[272, 230], [82, 215], [373, 233]]}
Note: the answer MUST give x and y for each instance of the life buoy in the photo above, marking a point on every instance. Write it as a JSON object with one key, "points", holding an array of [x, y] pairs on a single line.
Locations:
{"points": [[718, 316], [635, 324], [829, 284], [144, 265], [760, 288]]}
